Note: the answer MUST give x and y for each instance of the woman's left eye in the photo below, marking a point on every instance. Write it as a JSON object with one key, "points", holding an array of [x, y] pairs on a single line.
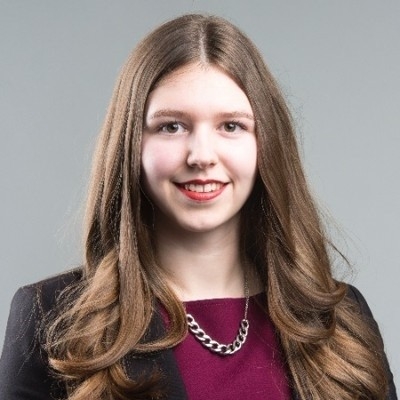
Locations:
{"points": [[233, 126]]}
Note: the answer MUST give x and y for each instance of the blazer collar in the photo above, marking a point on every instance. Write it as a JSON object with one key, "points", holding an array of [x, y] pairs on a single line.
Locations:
{"points": [[139, 365]]}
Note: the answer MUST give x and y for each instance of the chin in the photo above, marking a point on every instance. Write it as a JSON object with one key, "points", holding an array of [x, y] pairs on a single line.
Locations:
{"points": [[208, 226]]}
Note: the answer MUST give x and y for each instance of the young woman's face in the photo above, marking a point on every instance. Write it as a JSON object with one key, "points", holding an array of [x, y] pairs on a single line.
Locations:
{"points": [[199, 151]]}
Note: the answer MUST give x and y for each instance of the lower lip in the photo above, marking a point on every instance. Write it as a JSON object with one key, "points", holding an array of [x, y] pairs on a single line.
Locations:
{"points": [[201, 196]]}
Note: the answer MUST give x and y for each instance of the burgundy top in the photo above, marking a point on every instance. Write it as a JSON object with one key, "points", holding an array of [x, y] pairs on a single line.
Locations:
{"points": [[257, 371]]}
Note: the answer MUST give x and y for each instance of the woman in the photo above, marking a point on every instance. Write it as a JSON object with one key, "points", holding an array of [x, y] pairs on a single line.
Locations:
{"points": [[199, 220]]}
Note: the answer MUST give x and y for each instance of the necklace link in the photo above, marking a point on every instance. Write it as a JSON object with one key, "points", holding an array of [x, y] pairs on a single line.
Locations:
{"points": [[213, 345]]}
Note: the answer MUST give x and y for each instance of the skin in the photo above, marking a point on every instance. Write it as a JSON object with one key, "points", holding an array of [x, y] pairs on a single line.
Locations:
{"points": [[199, 162]]}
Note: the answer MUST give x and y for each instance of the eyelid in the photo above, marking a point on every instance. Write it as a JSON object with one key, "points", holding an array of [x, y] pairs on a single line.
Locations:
{"points": [[241, 125], [162, 125]]}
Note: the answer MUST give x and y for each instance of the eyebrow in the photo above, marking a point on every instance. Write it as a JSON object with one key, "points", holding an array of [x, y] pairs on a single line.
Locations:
{"points": [[180, 114]]}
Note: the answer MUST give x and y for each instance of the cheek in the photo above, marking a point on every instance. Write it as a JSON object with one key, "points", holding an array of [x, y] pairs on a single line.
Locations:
{"points": [[244, 160], [158, 160]]}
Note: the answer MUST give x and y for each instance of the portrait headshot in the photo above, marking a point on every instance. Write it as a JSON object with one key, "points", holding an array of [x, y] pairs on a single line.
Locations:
{"points": [[200, 200]]}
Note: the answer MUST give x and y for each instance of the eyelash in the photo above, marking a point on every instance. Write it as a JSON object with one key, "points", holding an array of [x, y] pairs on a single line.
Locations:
{"points": [[237, 123], [162, 127]]}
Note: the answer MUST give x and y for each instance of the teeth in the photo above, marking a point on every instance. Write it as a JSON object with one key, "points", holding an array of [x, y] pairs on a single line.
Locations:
{"points": [[208, 187]]}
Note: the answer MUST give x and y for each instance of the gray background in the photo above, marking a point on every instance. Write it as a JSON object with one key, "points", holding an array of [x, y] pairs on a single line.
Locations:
{"points": [[338, 63]]}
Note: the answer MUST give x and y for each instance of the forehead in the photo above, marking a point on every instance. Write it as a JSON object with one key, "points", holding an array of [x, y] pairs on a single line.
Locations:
{"points": [[200, 86]]}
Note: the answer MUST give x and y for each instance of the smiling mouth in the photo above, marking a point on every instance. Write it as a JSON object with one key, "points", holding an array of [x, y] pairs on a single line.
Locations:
{"points": [[206, 188], [201, 191]]}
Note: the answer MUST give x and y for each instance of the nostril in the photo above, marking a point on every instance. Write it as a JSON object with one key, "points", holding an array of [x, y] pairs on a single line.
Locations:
{"points": [[200, 163], [201, 160]]}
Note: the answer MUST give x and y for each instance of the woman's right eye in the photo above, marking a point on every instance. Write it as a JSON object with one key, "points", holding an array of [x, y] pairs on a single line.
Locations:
{"points": [[170, 127]]}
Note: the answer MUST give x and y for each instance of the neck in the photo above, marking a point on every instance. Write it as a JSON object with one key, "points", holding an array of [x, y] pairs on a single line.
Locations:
{"points": [[202, 265]]}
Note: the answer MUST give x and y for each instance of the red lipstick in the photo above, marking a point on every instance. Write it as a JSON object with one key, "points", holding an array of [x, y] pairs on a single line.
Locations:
{"points": [[201, 190]]}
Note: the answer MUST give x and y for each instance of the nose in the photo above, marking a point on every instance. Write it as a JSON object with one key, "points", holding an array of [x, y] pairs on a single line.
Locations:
{"points": [[202, 152]]}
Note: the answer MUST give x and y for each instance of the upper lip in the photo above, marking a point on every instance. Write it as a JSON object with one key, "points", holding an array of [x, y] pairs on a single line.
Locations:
{"points": [[200, 182]]}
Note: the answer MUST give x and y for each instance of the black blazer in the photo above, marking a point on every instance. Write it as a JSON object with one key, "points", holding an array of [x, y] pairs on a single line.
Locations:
{"points": [[24, 371]]}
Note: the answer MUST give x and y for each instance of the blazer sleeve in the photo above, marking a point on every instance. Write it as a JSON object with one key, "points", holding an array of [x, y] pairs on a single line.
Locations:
{"points": [[366, 311], [24, 371]]}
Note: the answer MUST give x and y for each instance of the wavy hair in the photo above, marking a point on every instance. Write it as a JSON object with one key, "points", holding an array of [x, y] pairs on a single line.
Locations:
{"points": [[331, 351]]}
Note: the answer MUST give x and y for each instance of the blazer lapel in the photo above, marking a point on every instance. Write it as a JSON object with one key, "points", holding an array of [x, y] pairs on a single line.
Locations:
{"points": [[138, 366]]}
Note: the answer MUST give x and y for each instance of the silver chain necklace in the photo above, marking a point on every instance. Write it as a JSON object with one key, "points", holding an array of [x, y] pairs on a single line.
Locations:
{"points": [[213, 345]]}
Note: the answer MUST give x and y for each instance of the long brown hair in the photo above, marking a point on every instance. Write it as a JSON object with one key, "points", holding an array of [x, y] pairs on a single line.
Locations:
{"points": [[330, 351]]}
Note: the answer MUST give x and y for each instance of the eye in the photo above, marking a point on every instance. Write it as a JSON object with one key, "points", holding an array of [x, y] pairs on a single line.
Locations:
{"points": [[170, 127], [233, 126]]}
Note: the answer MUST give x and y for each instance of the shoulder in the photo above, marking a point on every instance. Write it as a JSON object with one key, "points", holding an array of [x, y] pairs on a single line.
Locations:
{"points": [[24, 369], [57, 282], [355, 296], [44, 293], [360, 306], [31, 302]]}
